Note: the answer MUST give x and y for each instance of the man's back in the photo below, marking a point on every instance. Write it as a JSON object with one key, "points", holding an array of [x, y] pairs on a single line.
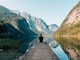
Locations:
{"points": [[41, 38]]}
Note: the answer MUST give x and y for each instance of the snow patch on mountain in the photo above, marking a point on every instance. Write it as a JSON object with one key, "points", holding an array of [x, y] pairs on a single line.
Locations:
{"points": [[37, 25]]}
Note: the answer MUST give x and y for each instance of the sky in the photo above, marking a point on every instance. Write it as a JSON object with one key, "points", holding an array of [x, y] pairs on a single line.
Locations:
{"points": [[51, 11]]}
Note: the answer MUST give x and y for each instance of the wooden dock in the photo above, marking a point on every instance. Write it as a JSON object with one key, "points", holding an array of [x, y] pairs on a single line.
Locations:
{"points": [[40, 51]]}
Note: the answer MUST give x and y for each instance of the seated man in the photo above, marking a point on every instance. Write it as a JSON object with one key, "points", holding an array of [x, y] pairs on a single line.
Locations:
{"points": [[41, 38]]}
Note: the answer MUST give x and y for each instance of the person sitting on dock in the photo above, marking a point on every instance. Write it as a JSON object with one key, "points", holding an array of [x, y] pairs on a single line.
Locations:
{"points": [[41, 38]]}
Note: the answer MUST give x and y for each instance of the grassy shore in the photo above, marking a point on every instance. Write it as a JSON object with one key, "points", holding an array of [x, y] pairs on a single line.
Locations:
{"points": [[9, 55]]}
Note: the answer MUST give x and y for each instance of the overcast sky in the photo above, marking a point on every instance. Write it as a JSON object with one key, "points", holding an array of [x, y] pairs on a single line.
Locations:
{"points": [[51, 11]]}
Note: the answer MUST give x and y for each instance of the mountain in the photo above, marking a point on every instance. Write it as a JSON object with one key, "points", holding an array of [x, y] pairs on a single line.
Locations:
{"points": [[68, 35], [53, 27], [71, 24], [37, 25], [3, 10], [73, 17], [15, 24]]}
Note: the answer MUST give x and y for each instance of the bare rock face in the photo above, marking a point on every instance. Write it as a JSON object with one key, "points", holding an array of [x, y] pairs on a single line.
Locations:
{"points": [[71, 25], [37, 25], [74, 16]]}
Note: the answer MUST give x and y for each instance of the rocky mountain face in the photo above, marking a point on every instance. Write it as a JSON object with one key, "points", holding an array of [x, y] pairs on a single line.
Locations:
{"points": [[37, 25], [71, 24], [74, 16], [15, 24], [3, 10], [69, 32]]}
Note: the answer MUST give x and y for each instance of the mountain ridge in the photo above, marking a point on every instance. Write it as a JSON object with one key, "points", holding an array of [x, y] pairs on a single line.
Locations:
{"points": [[40, 27]]}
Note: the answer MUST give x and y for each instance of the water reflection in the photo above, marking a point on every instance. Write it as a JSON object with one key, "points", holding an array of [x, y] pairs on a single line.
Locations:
{"points": [[57, 49], [71, 44], [31, 42], [60, 53], [18, 53], [52, 43], [25, 44]]}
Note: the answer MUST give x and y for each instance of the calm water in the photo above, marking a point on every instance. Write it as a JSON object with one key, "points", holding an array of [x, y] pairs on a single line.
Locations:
{"points": [[60, 53], [57, 49]]}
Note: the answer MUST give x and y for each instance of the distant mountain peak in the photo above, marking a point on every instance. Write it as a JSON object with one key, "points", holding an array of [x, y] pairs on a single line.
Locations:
{"points": [[53, 27]]}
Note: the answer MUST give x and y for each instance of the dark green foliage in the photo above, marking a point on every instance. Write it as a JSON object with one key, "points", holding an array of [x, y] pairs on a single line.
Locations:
{"points": [[7, 44], [6, 35], [3, 28]]}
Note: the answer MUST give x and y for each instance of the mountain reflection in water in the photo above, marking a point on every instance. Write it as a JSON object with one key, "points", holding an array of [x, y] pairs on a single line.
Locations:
{"points": [[54, 45]]}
